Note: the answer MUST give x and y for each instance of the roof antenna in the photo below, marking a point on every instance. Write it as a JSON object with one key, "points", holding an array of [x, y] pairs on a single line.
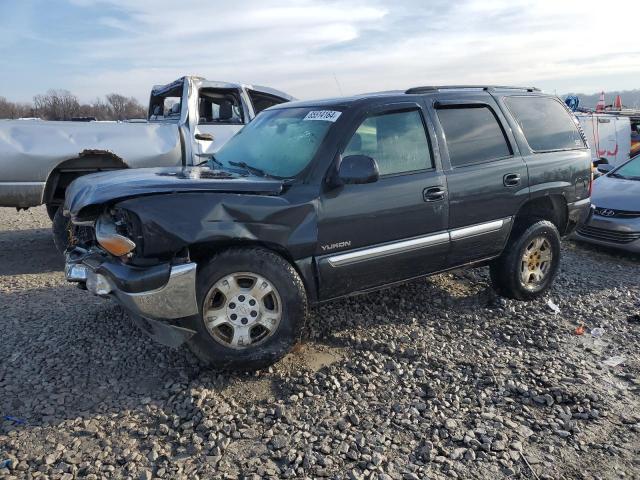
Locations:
{"points": [[338, 84]]}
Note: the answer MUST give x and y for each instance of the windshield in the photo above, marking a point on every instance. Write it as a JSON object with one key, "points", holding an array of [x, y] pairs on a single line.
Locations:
{"points": [[630, 170], [280, 143]]}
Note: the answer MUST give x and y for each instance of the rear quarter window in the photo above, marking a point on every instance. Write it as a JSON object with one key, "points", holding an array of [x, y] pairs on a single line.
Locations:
{"points": [[545, 123]]}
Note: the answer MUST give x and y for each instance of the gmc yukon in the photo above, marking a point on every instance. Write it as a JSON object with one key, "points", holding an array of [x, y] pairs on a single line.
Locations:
{"points": [[317, 200]]}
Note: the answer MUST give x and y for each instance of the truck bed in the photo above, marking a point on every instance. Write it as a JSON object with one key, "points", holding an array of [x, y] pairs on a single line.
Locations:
{"points": [[30, 150]]}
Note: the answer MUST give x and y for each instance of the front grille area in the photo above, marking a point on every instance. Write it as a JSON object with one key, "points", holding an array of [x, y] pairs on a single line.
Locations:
{"points": [[611, 213], [614, 236]]}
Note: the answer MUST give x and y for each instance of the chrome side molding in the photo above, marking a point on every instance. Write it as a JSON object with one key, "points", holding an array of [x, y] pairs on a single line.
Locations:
{"points": [[389, 249], [401, 246], [478, 229]]}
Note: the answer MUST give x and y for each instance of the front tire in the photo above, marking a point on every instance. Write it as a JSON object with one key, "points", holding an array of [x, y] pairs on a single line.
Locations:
{"points": [[51, 210], [529, 263], [66, 234], [253, 306]]}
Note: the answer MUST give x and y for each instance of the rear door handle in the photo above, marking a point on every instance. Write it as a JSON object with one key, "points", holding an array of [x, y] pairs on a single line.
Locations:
{"points": [[511, 180], [433, 194]]}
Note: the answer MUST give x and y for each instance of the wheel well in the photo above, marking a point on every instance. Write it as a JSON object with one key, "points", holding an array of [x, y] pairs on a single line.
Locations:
{"points": [[202, 252], [552, 208], [88, 161]]}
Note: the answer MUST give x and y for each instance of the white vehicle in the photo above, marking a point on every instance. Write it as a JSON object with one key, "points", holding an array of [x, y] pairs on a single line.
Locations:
{"points": [[187, 120], [609, 136]]}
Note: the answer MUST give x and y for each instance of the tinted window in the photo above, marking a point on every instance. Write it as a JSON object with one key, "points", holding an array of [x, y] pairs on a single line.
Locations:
{"points": [[397, 141], [473, 135], [545, 122]]}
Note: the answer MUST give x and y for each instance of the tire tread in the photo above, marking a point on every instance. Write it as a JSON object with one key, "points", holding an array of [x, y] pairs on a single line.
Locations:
{"points": [[504, 270]]}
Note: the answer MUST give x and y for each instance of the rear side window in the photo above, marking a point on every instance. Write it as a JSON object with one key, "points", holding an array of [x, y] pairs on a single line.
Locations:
{"points": [[545, 123], [473, 135], [262, 101], [396, 141]]}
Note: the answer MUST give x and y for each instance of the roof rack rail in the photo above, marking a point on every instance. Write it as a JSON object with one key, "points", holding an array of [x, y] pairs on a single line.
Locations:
{"points": [[427, 89]]}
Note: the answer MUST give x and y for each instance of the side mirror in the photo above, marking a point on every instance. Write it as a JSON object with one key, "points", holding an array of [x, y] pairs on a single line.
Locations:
{"points": [[604, 167], [357, 169]]}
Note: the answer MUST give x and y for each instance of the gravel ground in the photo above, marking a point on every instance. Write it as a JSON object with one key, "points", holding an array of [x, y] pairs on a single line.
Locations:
{"points": [[434, 379]]}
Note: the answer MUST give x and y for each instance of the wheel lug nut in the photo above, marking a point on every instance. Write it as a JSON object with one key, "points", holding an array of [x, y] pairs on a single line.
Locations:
{"points": [[252, 302], [241, 298], [254, 314], [233, 316], [244, 321], [232, 305]]}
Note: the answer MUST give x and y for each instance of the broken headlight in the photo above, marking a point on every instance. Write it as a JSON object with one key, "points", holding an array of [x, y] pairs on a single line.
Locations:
{"points": [[116, 231]]}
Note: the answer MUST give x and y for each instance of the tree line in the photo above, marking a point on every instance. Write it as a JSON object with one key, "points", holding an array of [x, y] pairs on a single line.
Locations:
{"points": [[63, 105]]}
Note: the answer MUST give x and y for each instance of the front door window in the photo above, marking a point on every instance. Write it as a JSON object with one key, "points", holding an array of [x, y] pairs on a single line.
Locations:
{"points": [[396, 141]]}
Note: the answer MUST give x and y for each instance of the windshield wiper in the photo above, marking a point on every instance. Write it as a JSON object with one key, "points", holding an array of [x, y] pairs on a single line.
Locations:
{"points": [[249, 168], [211, 158], [617, 175]]}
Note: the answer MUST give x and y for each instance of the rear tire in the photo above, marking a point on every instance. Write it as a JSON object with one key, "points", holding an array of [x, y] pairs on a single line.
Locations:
{"points": [[529, 263], [253, 306]]}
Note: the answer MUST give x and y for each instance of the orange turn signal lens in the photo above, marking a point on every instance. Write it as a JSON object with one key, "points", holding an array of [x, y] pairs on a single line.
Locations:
{"points": [[109, 239]]}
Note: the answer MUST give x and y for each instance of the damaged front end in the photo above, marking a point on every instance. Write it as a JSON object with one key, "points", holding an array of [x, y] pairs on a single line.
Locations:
{"points": [[150, 228], [157, 295]]}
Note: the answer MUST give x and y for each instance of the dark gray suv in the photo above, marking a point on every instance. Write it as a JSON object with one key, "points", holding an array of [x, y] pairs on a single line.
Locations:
{"points": [[321, 199]]}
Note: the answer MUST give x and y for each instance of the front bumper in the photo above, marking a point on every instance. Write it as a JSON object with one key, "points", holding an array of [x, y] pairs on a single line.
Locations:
{"points": [[619, 233], [155, 310]]}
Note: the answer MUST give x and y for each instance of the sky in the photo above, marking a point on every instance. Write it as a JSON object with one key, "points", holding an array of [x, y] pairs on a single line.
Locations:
{"points": [[316, 48]]}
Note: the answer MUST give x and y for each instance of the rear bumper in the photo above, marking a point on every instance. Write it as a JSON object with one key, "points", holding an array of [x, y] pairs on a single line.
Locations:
{"points": [[577, 214], [154, 309]]}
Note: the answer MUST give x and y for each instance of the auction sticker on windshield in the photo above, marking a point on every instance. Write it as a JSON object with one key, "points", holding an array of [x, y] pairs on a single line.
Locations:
{"points": [[326, 115]]}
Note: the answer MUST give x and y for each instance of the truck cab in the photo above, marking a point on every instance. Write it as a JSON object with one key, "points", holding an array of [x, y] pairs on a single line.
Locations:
{"points": [[209, 112]]}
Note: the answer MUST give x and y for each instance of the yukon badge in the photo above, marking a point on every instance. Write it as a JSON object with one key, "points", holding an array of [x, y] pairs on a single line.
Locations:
{"points": [[333, 246]]}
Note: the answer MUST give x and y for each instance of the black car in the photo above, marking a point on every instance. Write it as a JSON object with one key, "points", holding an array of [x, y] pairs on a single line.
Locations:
{"points": [[320, 199]]}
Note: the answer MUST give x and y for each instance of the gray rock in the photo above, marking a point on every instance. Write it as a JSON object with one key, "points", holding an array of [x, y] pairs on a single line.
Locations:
{"points": [[145, 475], [279, 441]]}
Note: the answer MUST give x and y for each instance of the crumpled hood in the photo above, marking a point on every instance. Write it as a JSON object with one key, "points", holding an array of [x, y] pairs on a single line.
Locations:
{"points": [[616, 194], [106, 187]]}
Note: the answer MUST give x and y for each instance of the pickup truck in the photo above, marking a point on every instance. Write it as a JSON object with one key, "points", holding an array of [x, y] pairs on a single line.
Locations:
{"points": [[187, 120], [317, 200]]}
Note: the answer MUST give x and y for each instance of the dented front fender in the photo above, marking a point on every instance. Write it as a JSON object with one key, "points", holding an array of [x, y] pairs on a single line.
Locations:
{"points": [[172, 222]]}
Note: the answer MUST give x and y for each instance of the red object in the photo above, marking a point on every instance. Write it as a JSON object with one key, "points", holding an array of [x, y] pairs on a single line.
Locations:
{"points": [[600, 105], [617, 103], [580, 330]]}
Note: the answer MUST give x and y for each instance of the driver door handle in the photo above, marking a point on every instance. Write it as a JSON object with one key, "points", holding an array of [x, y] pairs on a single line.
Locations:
{"points": [[433, 194]]}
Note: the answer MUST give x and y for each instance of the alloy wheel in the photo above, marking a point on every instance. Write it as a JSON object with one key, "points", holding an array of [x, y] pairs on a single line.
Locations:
{"points": [[242, 310], [536, 262]]}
